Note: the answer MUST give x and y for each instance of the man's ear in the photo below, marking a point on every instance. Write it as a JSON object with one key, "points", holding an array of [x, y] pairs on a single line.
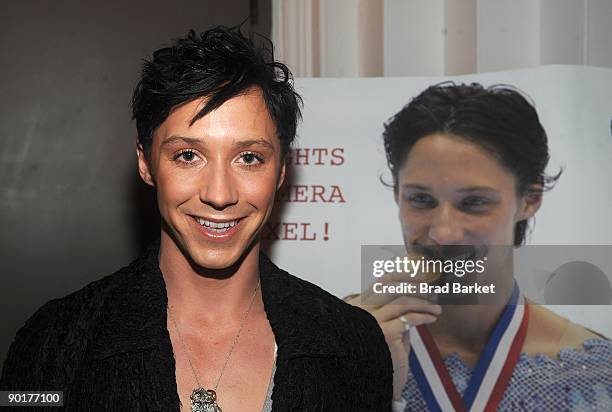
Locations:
{"points": [[281, 176], [530, 203], [143, 166]]}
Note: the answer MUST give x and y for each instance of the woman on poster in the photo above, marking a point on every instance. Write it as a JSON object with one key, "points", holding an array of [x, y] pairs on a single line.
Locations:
{"points": [[468, 166]]}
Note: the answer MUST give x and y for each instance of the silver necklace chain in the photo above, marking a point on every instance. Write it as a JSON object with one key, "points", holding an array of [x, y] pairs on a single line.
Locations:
{"points": [[227, 358]]}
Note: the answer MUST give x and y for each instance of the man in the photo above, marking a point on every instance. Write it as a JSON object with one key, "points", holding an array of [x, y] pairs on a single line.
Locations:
{"points": [[204, 319]]}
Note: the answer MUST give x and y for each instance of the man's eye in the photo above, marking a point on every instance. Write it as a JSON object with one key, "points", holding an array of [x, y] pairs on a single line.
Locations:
{"points": [[186, 156], [250, 158]]}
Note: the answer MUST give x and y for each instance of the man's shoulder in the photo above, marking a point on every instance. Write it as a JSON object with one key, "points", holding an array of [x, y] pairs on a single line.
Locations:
{"points": [[78, 308], [57, 334], [297, 289], [309, 299], [89, 298], [317, 323], [326, 300]]}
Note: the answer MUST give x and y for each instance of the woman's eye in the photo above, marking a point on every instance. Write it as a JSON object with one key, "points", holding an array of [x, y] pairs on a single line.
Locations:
{"points": [[477, 203], [186, 156], [421, 201], [250, 158]]}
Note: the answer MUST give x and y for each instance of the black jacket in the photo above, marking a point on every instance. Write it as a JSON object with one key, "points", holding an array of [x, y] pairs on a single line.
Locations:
{"points": [[107, 346]]}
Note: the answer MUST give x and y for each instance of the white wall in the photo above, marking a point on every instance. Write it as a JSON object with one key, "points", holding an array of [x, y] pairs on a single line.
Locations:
{"points": [[357, 38], [341, 55], [562, 30], [599, 33], [414, 37], [461, 35], [507, 34]]}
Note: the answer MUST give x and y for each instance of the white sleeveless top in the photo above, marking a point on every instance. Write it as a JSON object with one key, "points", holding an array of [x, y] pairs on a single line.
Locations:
{"points": [[267, 407]]}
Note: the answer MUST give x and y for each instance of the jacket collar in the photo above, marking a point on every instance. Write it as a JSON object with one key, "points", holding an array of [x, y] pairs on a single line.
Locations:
{"points": [[134, 314], [133, 317], [303, 323]]}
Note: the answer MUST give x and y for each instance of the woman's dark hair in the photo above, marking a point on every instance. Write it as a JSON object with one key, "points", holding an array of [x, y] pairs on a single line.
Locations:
{"points": [[220, 63], [498, 118]]}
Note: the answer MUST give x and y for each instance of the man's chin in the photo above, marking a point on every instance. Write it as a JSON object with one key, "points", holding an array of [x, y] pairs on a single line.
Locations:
{"points": [[221, 261], [216, 260], [218, 263]]}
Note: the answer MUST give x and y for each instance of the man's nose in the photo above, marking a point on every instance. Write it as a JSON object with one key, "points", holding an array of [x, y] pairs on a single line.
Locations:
{"points": [[218, 186], [445, 227]]}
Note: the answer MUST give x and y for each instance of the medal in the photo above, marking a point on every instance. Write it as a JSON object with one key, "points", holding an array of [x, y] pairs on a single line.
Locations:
{"points": [[493, 370]]}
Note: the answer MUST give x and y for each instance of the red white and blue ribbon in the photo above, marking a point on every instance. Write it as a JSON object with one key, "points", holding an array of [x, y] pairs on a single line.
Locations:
{"points": [[493, 370]]}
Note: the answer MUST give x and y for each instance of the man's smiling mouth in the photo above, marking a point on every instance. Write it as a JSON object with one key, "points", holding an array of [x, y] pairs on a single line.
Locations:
{"points": [[218, 225]]}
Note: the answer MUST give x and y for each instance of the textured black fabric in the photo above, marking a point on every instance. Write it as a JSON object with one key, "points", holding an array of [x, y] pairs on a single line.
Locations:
{"points": [[107, 346]]}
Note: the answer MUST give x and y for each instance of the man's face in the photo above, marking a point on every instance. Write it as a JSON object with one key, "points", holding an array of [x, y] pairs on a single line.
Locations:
{"points": [[216, 179]]}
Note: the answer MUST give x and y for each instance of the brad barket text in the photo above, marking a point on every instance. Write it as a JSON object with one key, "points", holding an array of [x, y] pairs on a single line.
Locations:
{"points": [[405, 288]]}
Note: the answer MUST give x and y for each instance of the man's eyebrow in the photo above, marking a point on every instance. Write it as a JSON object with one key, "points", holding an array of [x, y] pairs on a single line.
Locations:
{"points": [[188, 140], [243, 144]]}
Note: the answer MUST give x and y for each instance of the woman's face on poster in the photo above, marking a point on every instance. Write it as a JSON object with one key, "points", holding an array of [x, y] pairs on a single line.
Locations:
{"points": [[453, 192]]}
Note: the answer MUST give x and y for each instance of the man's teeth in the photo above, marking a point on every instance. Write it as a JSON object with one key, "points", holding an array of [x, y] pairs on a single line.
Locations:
{"points": [[216, 226]]}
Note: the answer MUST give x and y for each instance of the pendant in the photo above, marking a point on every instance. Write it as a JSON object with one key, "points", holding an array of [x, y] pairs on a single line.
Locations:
{"points": [[204, 400]]}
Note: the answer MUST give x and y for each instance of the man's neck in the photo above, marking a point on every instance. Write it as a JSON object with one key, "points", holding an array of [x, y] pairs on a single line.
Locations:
{"points": [[207, 300]]}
